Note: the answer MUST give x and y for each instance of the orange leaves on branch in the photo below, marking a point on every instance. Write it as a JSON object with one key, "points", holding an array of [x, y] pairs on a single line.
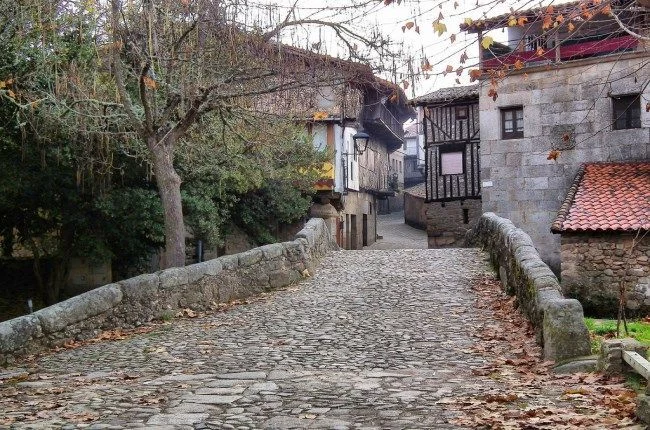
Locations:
{"points": [[4, 87], [426, 65], [493, 93], [320, 115], [405, 84], [553, 155], [519, 65], [409, 25], [475, 74], [149, 83], [463, 57], [571, 27], [607, 9], [521, 21], [448, 69], [540, 52], [452, 38]]}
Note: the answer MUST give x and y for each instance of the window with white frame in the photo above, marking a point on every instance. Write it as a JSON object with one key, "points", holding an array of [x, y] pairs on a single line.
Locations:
{"points": [[452, 159], [512, 122]]}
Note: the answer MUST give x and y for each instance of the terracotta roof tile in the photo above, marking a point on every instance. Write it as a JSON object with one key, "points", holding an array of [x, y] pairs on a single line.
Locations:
{"points": [[418, 190], [607, 197], [448, 95]]}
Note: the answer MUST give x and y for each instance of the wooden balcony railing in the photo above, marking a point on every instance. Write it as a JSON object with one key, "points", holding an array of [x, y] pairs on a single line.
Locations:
{"points": [[562, 53]]}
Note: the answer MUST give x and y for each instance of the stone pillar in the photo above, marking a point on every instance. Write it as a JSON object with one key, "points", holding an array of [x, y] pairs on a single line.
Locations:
{"points": [[611, 354], [327, 212]]}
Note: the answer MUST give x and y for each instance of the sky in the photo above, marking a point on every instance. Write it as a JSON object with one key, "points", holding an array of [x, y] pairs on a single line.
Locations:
{"points": [[371, 16]]}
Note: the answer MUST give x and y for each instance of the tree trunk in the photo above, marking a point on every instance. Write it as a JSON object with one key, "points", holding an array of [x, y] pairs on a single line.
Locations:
{"points": [[169, 187]]}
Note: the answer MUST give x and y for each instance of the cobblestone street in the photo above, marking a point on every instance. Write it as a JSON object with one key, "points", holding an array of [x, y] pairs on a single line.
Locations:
{"points": [[374, 340], [397, 235]]}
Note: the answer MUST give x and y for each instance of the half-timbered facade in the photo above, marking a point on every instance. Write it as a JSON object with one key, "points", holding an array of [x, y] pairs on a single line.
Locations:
{"points": [[450, 124]]}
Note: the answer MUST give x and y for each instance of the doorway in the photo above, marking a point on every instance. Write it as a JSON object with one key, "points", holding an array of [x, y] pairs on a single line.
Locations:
{"points": [[353, 232], [364, 231]]}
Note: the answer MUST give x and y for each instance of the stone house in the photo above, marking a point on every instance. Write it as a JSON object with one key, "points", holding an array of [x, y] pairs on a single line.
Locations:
{"points": [[565, 96], [451, 129], [347, 99], [414, 153], [394, 203], [603, 226]]}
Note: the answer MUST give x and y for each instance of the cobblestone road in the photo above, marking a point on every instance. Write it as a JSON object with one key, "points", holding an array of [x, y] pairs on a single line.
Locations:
{"points": [[397, 235], [374, 340]]}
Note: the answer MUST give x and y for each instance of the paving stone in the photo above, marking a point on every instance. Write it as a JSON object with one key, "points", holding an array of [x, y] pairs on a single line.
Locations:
{"points": [[243, 375], [211, 399], [176, 419]]}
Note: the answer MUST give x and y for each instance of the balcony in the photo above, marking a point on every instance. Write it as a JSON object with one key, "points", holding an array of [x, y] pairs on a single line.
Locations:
{"points": [[381, 123], [377, 183], [566, 51]]}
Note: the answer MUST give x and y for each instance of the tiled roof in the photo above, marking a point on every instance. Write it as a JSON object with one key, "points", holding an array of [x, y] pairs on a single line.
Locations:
{"points": [[418, 190], [447, 95], [607, 197], [411, 130]]}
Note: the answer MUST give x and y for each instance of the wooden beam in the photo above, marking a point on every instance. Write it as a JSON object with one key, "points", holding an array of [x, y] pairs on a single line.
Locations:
{"points": [[638, 363]]}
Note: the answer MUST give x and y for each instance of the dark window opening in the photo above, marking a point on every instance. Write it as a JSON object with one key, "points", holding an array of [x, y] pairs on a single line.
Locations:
{"points": [[627, 112], [465, 216], [462, 112], [512, 123]]}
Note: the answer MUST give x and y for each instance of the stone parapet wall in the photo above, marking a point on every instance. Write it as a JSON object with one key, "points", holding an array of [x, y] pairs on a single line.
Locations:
{"points": [[558, 322], [596, 266], [136, 301]]}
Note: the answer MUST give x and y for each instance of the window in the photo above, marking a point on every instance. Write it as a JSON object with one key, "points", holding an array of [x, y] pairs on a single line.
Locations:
{"points": [[462, 112], [512, 123], [627, 112], [452, 159]]}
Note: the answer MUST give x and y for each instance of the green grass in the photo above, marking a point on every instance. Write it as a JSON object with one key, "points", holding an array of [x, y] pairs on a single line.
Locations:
{"points": [[606, 329]]}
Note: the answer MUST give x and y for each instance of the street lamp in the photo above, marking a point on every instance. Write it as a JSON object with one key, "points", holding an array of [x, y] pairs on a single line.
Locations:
{"points": [[360, 139]]}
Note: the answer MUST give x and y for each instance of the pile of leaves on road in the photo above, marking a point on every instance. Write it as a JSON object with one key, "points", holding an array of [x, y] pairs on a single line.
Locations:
{"points": [[514, 388]]}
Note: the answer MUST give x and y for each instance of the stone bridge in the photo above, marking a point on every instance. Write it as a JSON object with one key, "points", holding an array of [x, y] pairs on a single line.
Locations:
{"points": [[374, 339]]}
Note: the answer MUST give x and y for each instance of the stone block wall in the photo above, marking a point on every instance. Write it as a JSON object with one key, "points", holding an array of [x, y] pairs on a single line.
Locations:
{"points": [[446, 226], [558, 322], [595, 266], [415, 211], [135, 301], [519, 182]]}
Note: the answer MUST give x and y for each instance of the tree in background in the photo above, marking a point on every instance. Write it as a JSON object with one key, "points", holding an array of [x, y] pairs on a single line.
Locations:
{"points": [[151, 71]]}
